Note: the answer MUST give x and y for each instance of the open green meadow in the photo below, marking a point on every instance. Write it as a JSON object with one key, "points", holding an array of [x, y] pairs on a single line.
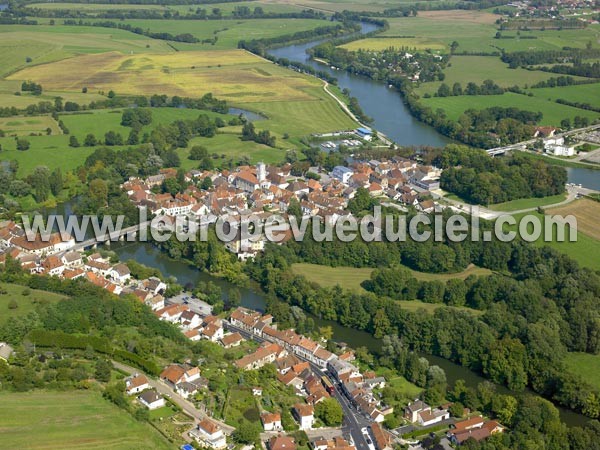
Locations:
{"points": [[550, 39], [352, 277], [26, 300], [553, 112], [477, 69], [227, 32], [226, 8], [71, 420], [586, 366], [23, 126], [583, 93], [525, 203]]}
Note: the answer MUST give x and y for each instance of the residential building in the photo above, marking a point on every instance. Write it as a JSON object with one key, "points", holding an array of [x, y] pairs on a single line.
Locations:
{"points": [[136, 383], [209, 434], [304, 414], [281, 443], [271, 421], [151, 400]]}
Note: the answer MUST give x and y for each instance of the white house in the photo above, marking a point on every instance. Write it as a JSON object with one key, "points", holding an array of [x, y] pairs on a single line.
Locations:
{"points": [[120, 273], [342, 173], [209, 434], [304, 414], [151, 400], [271, 421], [136, 384]]}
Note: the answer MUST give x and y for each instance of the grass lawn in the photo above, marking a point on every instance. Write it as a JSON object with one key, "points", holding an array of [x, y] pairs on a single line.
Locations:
{"points": [[525, 203], [553, 113], [26, 303], [351, 277], [586, 366], [71, 420]]}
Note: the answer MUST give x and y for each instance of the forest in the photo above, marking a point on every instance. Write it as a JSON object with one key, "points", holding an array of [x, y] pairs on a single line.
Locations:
{"points": [[479, 179]]}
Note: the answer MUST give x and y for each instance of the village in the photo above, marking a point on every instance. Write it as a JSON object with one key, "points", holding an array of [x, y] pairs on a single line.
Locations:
{"points": [[312, 374]]}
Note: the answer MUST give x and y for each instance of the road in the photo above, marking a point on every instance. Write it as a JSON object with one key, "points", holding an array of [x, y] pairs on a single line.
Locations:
{"points": [[166, 391], [354, 421], [195, 304], [573, 192], [523, 144]]}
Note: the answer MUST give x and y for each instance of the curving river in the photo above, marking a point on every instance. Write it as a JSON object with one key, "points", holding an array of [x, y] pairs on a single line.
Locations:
{"points": [[390, 115]]}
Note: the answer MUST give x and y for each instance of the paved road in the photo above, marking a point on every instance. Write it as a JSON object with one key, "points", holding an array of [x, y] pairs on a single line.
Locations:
{"points": [[196, 305], [354, 421], [485, 213], [166, 391]]}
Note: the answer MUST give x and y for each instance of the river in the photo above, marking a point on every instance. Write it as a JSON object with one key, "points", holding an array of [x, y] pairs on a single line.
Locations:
{"points": [[386, 107], [390, 115], [151, 256]]}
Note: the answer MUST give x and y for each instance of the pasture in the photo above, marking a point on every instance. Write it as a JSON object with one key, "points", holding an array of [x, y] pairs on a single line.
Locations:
{"points": [[351, 277], [550, 39], [227, 32], [23, 126], [553, 113], [71, 420], [477, 69], [26, 299], [226, 8], [583, 93], [587, 213]]}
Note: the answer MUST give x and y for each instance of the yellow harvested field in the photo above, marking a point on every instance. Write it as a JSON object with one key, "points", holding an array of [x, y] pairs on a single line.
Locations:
{"points": [[460, 16], [587, 213], [233, 75], [383, 43]]}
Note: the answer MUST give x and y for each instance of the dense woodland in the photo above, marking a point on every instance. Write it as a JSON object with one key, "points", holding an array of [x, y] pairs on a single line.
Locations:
{"points": [[479, 179]]}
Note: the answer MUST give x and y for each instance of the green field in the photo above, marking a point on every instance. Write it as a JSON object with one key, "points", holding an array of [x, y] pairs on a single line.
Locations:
{"points": [[26, 303], [586, 366], [71, 420], [585, 250], [583, 93], [351, 277], [228, 32], [476, 69], [553, 113], [475, 31], [226, 8], [526, 203], [416, 305]]}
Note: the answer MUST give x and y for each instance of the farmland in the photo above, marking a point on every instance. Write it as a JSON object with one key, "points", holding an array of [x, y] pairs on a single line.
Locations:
{"points": [[553, 113], [378, 44], [22, 126], [476, 69], [71, 420], [584, 93], [587, 213], [227, 32]]}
